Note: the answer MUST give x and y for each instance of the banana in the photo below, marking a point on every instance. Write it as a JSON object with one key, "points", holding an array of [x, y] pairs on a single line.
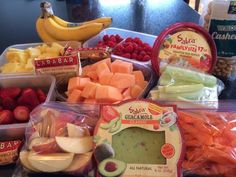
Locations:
{"points": [[106, 21], [78, 33], [44, 36]]}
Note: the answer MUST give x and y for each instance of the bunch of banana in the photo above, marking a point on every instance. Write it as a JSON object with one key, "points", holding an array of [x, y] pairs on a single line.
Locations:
{"points": [[52, 28]]}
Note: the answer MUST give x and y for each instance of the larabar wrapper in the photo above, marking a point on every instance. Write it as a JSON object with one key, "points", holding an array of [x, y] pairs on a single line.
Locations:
{"points": [[62, 67], [9, 151], [186, 45], [94, 53]]}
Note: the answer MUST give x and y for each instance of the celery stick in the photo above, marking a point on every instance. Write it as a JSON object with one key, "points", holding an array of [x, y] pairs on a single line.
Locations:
{"points": [[177, 96], [190, 76], [182, 88]]}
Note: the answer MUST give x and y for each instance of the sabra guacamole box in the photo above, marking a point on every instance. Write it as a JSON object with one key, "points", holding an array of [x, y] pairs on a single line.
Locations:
{"points": [[138, 138]]}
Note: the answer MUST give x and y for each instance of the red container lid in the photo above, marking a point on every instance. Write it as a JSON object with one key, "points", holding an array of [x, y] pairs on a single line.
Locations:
{"points": [[185, 45]]}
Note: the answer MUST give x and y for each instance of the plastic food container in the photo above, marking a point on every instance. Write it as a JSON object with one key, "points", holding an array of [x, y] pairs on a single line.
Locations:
{"points": [[44, 82], [184, 45], [3, 59], [147, 38], [149, 76]]}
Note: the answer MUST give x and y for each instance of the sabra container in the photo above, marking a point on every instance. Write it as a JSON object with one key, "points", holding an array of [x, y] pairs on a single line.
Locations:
{"points": [[138, 138], [185, 45]]}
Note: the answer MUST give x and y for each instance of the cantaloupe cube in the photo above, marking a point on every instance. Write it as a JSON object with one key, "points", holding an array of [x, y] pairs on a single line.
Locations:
{"points": [[136, 91], [93, 75], [121, 67], [102, 68], [105, 79], [107, 61], [85, 70], [143, 84], [127, 92], [90, 101], [108, 94], [74, 96], [138, 77], [77, 83], [122, 80], [89, 90]]}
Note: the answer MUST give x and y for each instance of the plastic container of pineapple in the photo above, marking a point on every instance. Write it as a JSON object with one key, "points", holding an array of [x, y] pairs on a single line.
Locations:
{"points": [[16, 131], [18, 58]]}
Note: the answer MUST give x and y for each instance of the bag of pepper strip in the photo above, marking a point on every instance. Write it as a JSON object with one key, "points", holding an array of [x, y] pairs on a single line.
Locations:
{"points": [[220, 21]]}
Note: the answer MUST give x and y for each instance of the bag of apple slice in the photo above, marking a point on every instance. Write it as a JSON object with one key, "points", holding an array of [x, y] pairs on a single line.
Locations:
{"points": [[59, 139]]}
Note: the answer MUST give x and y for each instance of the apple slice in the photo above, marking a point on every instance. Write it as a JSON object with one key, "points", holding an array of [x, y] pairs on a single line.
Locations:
{"points": [[50, 162], [75, 131], [80, 163], [75, 145], [44, 145], [25, 162]]}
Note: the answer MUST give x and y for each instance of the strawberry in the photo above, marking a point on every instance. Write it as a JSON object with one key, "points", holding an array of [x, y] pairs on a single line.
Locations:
{"points": [[28, 98], [9, 103], [6, 117], [21, 113], [41, 96], [11, 92]]}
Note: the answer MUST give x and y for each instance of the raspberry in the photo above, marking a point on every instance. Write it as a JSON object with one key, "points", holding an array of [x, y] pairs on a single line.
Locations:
{"points": [[140, 58], [126, 55], [142, 53], [113, 39], [146, 58], [129, 49], [105, 37], [134, 55], [135, 46], [111, 44], [138, 41], [119, 48], [118, 38], [118, 53], [129, 39]]}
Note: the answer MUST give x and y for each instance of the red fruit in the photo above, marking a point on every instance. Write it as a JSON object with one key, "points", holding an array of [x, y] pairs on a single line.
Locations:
{"points": [[119, 48], [6, 117], [21, 113], [118, 53], [109, 113], [126, 55], [1, 108], [146, 58], [11, 92], [129, 39], [111, 44], [167, 120], [113, 39], [140, 58], [134, 55], [129, 49], [118, 38], [41, 96], [105, 37], [9, 103], [138, 41], [142, 53], [28, 98]]}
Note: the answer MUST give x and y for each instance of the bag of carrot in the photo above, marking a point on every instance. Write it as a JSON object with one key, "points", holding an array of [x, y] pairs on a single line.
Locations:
{"points": [[210, 140]]}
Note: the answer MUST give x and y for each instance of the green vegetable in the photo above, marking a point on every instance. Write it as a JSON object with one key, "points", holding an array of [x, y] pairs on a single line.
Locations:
{"points": [[186, 75], [181, 88]]}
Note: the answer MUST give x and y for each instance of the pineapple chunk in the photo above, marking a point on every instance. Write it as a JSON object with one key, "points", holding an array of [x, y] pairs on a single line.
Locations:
{"points": [[33, 52], [48, 55], [20, 57], [29, 65], [13, 68]]}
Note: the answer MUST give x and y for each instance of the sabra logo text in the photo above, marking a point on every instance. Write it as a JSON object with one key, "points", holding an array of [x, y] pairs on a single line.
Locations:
{"points": [[185, 40], [138, 113]]}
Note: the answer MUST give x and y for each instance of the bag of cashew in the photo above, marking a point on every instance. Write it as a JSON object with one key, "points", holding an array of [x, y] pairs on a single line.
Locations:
{"points": [[220, 20]]}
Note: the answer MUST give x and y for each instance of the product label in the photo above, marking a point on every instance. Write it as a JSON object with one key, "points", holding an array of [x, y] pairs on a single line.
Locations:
{"points": [[61, 67], [186, 49], [224, 34], [144, 137], [232, 7], [9, 151]]}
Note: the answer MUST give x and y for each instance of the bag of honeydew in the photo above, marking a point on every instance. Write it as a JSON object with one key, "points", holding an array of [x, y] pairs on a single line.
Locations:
{"points": [[219, 18]]}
